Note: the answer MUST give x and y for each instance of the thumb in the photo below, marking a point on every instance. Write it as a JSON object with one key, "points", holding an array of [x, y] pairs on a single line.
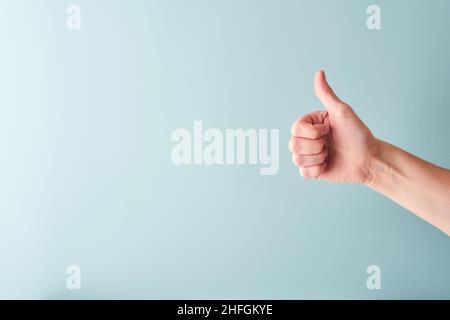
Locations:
{"points": [[325, 93]]}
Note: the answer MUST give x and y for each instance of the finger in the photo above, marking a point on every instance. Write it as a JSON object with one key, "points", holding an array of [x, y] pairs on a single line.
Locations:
{"points": [[311, 126], [301, 160], [306, 146], [325, 93], [312, 172]]}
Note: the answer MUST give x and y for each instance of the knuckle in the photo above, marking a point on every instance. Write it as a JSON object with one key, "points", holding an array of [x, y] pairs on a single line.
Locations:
{"points": [[305, 172], [296, 160], [301, 171], [291, 144], [294, 128], [297, 126]]}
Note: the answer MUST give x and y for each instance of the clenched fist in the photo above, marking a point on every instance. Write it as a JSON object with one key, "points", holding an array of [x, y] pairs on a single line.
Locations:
{"points": [[334, 144]]}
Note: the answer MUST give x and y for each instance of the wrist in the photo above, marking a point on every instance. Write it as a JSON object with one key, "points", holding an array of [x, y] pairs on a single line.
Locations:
{"points": [[377, 163]]}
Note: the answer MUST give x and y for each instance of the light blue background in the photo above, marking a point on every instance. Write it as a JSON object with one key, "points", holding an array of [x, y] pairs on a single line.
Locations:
{"points": [[85, 170]]}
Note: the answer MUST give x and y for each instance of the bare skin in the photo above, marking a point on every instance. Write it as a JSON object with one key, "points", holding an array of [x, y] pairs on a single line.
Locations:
{"points": [[335, 145]]}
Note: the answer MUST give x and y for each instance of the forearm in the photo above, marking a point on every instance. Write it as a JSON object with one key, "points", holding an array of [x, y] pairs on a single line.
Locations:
{"points": [[415, 184]]}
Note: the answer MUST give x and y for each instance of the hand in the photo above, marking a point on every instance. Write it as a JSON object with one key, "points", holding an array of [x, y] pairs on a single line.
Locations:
{"points": [[332, 145], [336, 145]]}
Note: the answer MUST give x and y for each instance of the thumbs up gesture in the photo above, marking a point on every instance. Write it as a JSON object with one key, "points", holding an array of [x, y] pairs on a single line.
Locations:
{"points": [[332, 145]]}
